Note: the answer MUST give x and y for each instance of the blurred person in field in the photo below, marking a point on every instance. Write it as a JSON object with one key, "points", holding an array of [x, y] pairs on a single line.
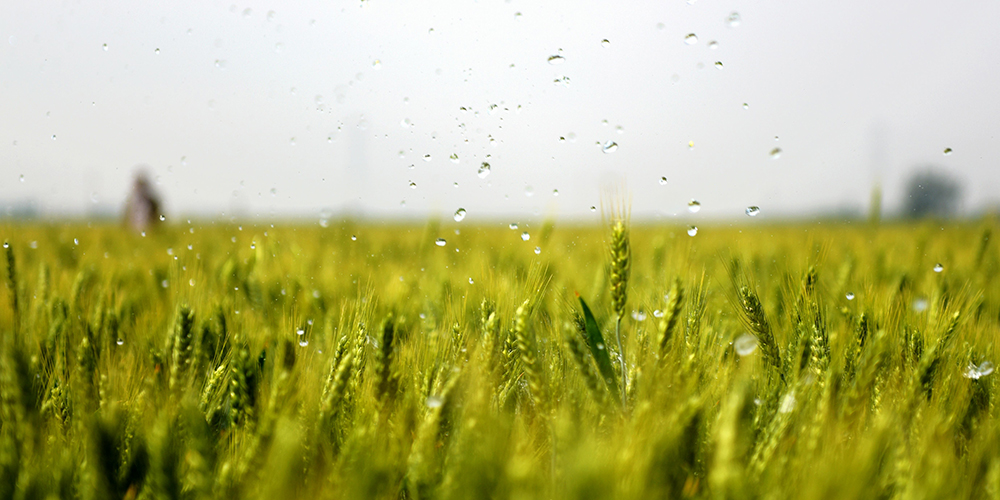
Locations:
{"points": [[142, 207]]}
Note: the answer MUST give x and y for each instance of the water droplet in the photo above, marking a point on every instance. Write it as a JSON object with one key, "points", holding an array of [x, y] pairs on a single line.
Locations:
{"points": [[787, 403], [692, 230], [440, 242], [713, 45], [300, 332], [775, 153], [6, 245], [53, 137], [690, 144], [694, 206], [745, 344], [512, 226], [976, 372], [354, 237], [303, 343], [413, 185], [434, 401], [453, 158], [718, 64], [21, 178], [610, 147], [538, 250], [525, 236], [938, 268], [746, 106], [459, 215], [105, 47], [163, 217], [377, 64], [753, 210], [593, 208], [663, 181], [947, 151], [529, 191], [484, 169], [157, 51], [605, 43], [427, 157], [639, 315], [120, 341], [734, 19], [919, 305], [555, 192], [691, 39], [556, 59], [850, 296], [247, 12]]}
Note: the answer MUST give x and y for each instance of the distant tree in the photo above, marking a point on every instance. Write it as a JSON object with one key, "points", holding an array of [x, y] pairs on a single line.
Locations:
{"points": [[930, 193], [142, 208]]}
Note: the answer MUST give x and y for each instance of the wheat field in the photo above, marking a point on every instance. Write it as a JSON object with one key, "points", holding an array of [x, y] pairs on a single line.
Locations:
{"points": [[451, 360]]}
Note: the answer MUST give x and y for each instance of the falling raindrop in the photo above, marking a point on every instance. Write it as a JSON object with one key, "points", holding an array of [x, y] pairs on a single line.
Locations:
{"points": [[484, 170], [947, 151], [440, 242], [459, 215], [734, 19], [775, 153], [610, 147], [850, 296], [745, 344], [525, 236], [692, 230], [938, 268], [694, 206], [691, 39], [753, 210]]}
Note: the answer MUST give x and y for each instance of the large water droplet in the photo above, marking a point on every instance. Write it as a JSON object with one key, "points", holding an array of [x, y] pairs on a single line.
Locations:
{"points": [[938, 268], [459, 215], [525, 236], [484, 170], [753, 210], [120, 341], [775, 153], [693, 230], [440, 242], [745, 344], [610, 147], [849, 296], [691, 39], [694, 206]]}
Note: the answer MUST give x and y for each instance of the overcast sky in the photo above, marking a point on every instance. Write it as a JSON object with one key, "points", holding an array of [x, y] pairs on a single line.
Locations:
{"points": [[292, 108]]}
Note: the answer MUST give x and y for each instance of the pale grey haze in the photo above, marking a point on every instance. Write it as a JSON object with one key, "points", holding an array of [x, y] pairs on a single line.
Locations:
{"points": [[295, 108]]}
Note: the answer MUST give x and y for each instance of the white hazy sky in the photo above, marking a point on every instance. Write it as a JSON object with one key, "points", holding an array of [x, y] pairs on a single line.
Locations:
{"points": [[290, 108]]}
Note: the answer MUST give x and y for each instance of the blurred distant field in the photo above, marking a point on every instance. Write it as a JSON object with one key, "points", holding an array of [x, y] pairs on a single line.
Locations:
{"points": [[449, 360]]}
